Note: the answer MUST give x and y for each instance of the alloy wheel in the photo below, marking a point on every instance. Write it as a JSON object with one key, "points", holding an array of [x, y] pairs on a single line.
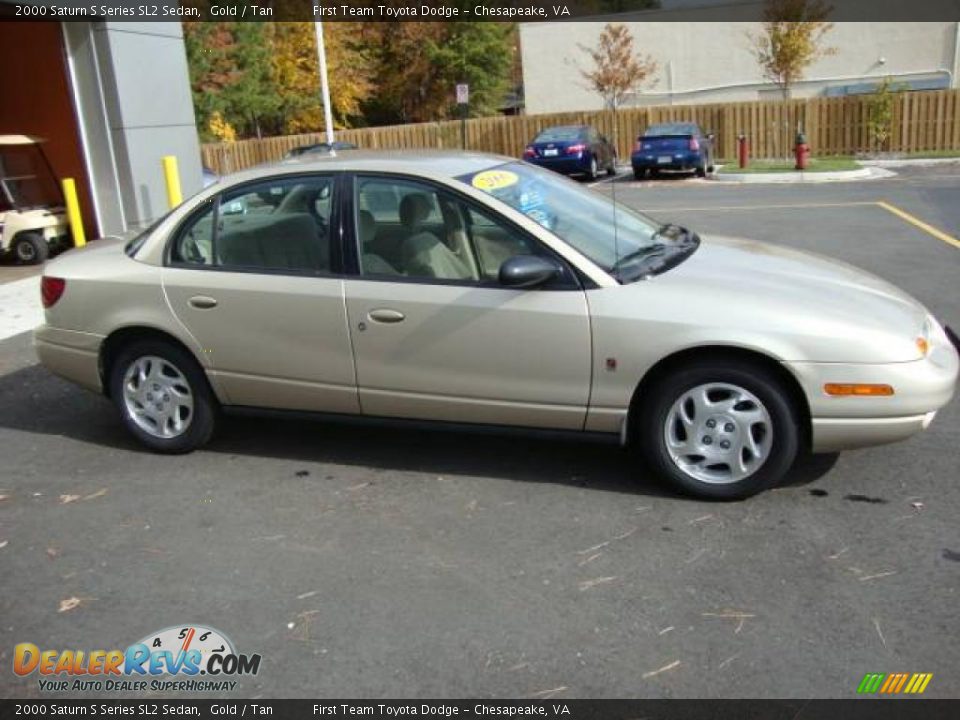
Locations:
{"points": [[157, 397], [718, 433]]}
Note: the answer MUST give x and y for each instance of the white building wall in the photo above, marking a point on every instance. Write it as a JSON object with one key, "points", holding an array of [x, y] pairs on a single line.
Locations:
{"points": [[702, 62]]}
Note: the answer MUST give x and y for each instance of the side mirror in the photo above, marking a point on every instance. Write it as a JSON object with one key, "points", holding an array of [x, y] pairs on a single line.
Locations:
{"points": [[527, 271]]}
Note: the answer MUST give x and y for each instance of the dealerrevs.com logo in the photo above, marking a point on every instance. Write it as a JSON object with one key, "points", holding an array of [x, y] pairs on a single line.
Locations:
{"points": [[181, 658]]}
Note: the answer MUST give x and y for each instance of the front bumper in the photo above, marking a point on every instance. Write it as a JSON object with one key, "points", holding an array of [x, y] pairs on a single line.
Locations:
{"points": [[921, 387], [70, 354]]}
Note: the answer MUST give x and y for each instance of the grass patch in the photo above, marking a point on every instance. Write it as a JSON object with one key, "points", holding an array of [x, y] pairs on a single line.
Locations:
{"points": [[833, 163]]}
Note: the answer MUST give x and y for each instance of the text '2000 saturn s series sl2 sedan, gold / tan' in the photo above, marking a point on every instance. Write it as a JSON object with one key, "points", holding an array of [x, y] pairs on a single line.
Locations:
{"points": [[470, 288]]}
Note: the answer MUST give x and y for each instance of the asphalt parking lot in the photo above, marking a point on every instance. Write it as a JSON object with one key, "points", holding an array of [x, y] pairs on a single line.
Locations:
{"points": [[372, 562]]}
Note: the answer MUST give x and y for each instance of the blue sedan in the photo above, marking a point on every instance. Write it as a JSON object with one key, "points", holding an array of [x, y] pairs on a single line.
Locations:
{"points": [[572, 150], [672, 146]]}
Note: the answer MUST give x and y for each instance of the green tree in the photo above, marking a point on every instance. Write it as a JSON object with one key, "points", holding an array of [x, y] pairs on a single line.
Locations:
{"points": [[230, 73], [417, 65], [880, 113], [477, 53]]}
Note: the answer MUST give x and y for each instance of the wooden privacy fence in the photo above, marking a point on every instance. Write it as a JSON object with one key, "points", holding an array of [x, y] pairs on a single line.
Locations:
{"points": [[922, 121]]}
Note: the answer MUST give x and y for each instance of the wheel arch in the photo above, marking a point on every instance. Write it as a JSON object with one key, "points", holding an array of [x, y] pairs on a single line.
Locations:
{"points": [[122, 337], [680, 358]]}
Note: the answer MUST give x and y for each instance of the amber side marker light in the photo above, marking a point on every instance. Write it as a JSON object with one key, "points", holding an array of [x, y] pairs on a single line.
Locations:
{"points": [[923, 346], [860, 389]]}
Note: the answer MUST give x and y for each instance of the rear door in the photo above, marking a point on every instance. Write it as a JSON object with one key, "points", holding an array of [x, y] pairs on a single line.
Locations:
{"points": [[436, 337], [254, 277]]}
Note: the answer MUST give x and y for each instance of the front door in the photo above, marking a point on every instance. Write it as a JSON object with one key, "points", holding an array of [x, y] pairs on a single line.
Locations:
{"points": [[434, 334]]}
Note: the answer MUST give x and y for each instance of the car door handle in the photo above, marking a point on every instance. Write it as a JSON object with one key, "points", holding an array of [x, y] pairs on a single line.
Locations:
{"points": [[202, 302], [386, 315]]}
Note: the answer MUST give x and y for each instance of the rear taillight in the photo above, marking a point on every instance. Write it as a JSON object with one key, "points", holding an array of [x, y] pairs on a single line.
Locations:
{"points": [[529, 152], [637, 146], [694, 144], [51, 290], [574, 149]]}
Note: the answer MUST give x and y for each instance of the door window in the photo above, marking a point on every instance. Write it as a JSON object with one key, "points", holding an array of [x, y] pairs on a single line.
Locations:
{"points": [[415, 230], [277, 225]]}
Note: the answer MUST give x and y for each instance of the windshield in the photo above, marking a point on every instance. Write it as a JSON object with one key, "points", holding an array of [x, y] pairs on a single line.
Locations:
{"points": [[670, 129], [619, 242], [25, 179]]}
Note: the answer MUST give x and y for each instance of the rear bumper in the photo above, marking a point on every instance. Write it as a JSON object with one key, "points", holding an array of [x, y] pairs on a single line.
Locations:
{"points": [[565, 165], [920, 388], [70, 354], [678, 161]]}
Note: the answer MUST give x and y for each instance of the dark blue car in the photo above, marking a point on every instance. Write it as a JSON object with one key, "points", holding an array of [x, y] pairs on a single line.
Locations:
{"points": [[572, 150], [672, 146]]}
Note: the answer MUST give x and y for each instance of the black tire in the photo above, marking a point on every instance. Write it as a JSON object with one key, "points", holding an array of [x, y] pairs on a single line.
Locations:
{"points": [[29, 248], [592, 172], [612, 167], [701, 171], [763, 384], [639, 173], [203, 418]]}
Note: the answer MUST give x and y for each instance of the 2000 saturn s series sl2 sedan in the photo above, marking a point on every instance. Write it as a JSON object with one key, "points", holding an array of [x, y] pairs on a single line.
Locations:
{"points": [[472, 288]]}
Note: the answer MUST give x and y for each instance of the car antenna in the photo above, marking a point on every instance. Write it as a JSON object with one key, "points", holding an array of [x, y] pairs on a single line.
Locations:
{"points": [[613, 193]]}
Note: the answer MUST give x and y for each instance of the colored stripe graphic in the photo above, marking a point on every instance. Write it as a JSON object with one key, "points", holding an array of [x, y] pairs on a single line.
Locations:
{"points": [[894, 683]]}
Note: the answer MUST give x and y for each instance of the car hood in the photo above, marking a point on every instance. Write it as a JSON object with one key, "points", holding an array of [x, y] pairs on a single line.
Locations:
{"points": [[754, 284]]}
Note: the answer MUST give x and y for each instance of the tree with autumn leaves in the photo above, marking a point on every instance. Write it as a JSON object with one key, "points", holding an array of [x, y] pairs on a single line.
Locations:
{"points": [[262, 79]]}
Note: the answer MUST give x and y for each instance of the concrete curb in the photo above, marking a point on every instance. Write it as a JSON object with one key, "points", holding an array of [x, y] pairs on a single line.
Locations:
{"points": [[910, 162], [864, 173]]}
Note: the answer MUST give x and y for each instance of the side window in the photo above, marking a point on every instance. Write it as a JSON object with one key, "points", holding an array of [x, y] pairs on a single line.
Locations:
{"points": [[194, 243], [410, 229], [495, 242], [277, 225]]}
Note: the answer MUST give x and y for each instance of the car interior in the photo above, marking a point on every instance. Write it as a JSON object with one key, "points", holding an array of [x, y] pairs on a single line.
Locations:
{"points": [[281, 226], [414, 232]]}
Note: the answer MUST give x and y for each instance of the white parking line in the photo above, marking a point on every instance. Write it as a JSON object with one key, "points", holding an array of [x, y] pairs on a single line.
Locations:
{"points": [[20, 307]]}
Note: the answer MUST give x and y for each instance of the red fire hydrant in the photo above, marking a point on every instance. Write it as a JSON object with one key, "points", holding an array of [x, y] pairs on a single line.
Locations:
{"points": [[802, 152], [743, 149]]}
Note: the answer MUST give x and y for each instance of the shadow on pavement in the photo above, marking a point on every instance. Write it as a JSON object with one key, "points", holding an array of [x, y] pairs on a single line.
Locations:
{"points": [[32, 400]]}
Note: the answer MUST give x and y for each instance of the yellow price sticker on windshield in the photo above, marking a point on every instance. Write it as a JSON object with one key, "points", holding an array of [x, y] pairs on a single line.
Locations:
{"points": [[490, 180]]}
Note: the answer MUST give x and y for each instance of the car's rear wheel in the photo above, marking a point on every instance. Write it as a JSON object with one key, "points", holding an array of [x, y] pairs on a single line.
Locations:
{"points": [[612, 167], [702, 169], [639, 173], [592, 172], [163, 396], [30, 248], [720, 430]]}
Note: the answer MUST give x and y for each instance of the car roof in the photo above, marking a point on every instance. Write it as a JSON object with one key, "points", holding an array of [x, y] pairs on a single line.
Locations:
{"points": [[436, 163]]}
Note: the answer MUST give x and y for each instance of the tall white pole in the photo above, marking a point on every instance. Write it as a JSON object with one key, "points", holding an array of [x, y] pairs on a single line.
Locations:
{"points": [[324, 85]]}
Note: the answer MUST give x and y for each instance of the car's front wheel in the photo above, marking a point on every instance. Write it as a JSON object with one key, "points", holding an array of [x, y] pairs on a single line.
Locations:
{"points": [[163, 396], [720, 430]]}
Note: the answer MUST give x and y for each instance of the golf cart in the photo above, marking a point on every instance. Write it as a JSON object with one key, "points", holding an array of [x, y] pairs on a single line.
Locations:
{"points": [[32, 217]]}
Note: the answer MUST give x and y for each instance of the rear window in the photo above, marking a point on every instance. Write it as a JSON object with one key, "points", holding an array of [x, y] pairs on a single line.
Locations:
{"points": [[559, 134], [670, 129]]}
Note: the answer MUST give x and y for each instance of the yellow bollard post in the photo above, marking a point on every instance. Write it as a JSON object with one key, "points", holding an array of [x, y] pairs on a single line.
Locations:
{"points": [[172, 176], [73, 212]]}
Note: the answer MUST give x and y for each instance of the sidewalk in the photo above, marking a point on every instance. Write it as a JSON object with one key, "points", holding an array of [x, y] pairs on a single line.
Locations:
{"points": [[20, 307], [864, 173]]}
